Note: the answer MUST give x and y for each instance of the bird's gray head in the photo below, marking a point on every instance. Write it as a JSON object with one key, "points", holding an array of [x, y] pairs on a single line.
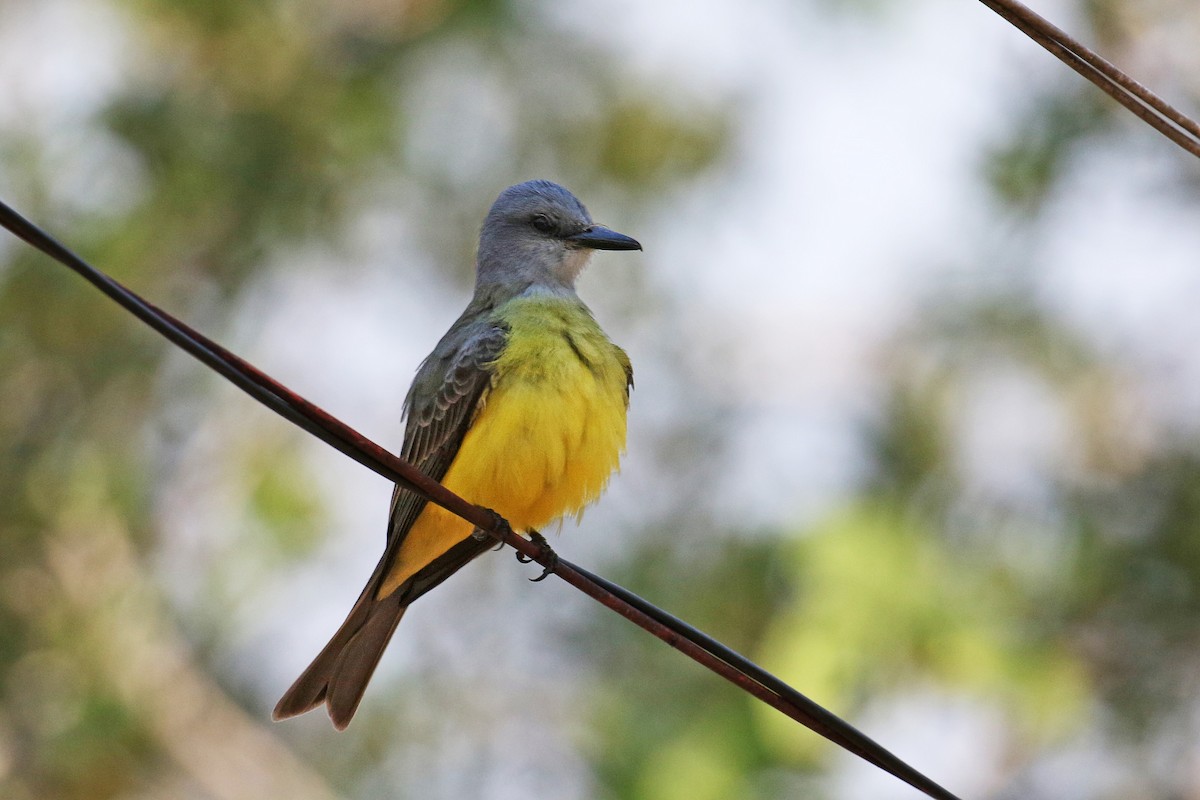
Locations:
{"points": [[538, 233]]}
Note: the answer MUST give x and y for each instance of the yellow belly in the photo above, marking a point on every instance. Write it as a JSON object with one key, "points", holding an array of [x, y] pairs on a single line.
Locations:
{"points": [[548, 436]]}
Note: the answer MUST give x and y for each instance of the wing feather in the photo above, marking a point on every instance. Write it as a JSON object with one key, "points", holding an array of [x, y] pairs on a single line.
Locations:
{"points": [[449, 388]]}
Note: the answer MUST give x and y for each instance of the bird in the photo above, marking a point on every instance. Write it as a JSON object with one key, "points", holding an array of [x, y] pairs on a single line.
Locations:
{"points": [[520, 407]]}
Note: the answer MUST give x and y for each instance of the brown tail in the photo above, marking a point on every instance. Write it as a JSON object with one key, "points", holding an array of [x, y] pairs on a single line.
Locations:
{"points": [[339, 674]]}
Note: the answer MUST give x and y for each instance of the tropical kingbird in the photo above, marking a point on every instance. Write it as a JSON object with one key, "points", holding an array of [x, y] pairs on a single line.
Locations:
{"points": [[520, 408]]}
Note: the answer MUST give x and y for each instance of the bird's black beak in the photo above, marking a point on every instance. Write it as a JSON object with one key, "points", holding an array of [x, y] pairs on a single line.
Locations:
{"points": [[598, 237]]}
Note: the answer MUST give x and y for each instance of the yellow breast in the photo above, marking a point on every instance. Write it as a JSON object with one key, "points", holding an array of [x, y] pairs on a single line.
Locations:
{"points": [[552, 429], [547, 435]]}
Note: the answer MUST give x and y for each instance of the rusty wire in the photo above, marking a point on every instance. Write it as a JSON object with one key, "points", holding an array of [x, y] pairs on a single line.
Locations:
{"points": [[1152, 109]]}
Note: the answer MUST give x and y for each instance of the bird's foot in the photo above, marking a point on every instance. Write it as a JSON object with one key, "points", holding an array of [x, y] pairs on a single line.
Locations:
{"points": [[545, 551], [499, 524]]}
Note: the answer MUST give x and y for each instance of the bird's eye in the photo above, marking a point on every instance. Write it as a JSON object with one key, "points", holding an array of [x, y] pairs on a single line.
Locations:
{"points": [[542, 223]]}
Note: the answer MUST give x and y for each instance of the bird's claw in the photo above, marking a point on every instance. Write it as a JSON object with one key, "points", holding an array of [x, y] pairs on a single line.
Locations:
{"points": [[499, 523], [545, 551]]}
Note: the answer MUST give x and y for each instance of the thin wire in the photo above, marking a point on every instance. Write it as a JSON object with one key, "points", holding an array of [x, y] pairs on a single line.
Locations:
{"points": [[679, 635], [1172, 123], [834, 728]]}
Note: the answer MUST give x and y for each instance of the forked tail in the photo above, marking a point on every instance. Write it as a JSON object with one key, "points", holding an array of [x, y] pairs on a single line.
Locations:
{"points": [[339, 674]]}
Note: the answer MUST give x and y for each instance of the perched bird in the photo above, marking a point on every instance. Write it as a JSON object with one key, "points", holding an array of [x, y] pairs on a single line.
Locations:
{"points": [[520, 408]]}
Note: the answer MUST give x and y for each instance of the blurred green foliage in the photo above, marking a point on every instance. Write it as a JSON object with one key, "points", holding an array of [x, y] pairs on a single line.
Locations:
{"points": [[256, 128], [1025, 168]]}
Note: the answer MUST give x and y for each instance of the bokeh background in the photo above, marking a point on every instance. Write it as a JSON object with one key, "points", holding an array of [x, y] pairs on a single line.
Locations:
{"points": [[916, 419]]}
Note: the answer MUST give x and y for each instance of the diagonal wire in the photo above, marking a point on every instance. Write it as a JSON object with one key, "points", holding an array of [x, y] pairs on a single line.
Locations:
{"points": [[698, 646], [1172, 123]]}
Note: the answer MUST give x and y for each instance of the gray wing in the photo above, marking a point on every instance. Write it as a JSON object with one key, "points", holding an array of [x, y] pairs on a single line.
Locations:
{"points": [[448, 389], [440, 406]]}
